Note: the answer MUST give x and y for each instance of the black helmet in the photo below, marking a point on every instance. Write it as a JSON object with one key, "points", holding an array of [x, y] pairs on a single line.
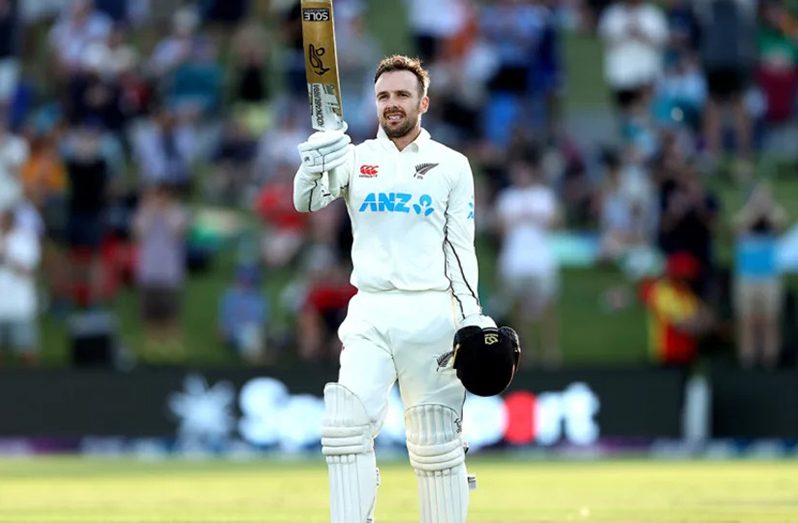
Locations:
{"points": [[486, 359]]}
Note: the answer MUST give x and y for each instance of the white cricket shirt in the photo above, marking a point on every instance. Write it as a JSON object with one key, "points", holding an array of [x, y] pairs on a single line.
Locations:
{"points": [[629, 61], [412, 215], [528, 211]]}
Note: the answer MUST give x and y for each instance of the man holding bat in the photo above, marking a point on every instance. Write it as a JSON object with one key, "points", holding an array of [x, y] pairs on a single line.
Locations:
{"points": [[411, 203]]}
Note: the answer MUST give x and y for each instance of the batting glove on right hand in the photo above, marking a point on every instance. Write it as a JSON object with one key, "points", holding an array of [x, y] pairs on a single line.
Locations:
{"points": [[324, 151]]}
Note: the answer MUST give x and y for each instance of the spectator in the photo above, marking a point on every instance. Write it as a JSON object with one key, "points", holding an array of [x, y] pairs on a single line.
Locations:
{"points": [[324, 307], [548, 74], [634, 34], [165, 147], [683, 28], [44, 180], [176, 49], [460, 90], [278, 144], [576, 193], [125, 68], [243, 316], [160, 226], [759, 289], [293, 62], [680, 96], [251, 86], [233, 161], [94, 92], [430, 29], [677, 316], [87, 205], [13, 156], [527, 212], [687, 222], [681, 93], [777, 62], [625, 210], [78, 26], [285, 229], [122, 55], [185, 65], [515, 30], [19, 258], [44, 184], [727, 54], [251, 49]]}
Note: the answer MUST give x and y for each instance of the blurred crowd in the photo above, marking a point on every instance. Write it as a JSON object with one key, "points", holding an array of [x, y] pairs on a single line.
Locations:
{"points": [[124, 121]]}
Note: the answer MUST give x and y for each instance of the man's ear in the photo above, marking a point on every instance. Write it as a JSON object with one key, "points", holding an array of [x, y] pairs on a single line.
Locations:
{"points": [[423, 105]]}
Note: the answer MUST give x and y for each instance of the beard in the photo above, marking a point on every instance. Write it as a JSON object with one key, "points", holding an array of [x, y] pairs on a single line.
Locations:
{"points": [[402, 130]]}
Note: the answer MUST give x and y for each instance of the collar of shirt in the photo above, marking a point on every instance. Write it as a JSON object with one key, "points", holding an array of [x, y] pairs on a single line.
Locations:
{"points": [[422, 138]]}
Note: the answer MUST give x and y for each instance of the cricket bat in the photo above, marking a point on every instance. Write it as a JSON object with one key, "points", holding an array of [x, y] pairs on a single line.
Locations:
{"points": [[321, 65]]}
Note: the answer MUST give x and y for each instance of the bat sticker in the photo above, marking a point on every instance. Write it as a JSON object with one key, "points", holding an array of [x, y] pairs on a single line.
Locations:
{"points": [[316, 15], [314, 56]]}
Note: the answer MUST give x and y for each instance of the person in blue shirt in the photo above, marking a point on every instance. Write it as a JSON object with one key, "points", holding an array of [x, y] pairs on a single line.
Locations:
{"points": [[243, 313], [758, 285]]}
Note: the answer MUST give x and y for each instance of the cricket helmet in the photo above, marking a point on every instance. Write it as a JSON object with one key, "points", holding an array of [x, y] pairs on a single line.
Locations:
{"points": [[486, 359]]}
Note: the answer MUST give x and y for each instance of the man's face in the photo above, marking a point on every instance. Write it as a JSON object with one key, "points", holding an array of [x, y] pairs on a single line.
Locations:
{"points": [[399, 106]]}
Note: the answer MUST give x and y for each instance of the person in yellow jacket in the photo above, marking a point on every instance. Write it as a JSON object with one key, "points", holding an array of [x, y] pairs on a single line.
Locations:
{"points": [[677, 315]]}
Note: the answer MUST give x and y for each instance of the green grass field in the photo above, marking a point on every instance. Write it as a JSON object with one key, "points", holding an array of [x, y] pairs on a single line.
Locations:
{"points": [[48, 490]]}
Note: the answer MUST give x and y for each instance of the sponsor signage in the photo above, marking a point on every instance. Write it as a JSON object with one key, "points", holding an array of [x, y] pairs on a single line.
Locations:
{"points": [[284, 409]]}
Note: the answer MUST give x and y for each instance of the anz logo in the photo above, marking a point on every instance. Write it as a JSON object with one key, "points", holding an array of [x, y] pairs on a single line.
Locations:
{"points": [[397, 202]]}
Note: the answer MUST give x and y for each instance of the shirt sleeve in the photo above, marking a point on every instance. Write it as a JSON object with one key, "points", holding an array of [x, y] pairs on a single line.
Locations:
{"points": [[460, 254], [312, 193]]}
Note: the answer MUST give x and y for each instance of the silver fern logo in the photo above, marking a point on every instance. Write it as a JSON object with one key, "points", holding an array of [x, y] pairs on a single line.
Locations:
{"points": [[423, 168]]}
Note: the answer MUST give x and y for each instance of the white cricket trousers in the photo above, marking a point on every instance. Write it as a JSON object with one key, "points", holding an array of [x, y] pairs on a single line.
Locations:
{"points": [[397, 336]]}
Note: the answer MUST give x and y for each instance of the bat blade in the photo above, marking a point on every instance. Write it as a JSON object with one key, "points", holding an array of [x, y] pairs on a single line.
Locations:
{"points": [[321, 65]]}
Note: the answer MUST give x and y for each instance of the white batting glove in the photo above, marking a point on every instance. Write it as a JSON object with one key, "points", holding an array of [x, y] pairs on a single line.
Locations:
{"points": [[324, 151]]}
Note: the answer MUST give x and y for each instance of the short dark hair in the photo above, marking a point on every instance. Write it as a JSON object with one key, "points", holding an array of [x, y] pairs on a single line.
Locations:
{"points": [[400, 62]]}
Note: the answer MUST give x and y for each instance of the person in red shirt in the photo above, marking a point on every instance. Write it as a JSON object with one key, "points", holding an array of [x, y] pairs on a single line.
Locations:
{"points": [[285, 229], [677, 316], [323, 310]]}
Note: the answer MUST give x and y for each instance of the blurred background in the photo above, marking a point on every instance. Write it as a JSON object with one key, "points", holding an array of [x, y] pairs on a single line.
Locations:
{"points": [[637, 193]]}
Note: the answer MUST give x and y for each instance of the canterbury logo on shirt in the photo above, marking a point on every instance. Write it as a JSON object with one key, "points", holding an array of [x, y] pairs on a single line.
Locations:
{"points": [[397, 202], [423, 168], [369, 171]]}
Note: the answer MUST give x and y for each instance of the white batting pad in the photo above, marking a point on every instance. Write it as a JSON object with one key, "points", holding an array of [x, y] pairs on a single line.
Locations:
{"points": [[348, 447], [436, 453]]}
